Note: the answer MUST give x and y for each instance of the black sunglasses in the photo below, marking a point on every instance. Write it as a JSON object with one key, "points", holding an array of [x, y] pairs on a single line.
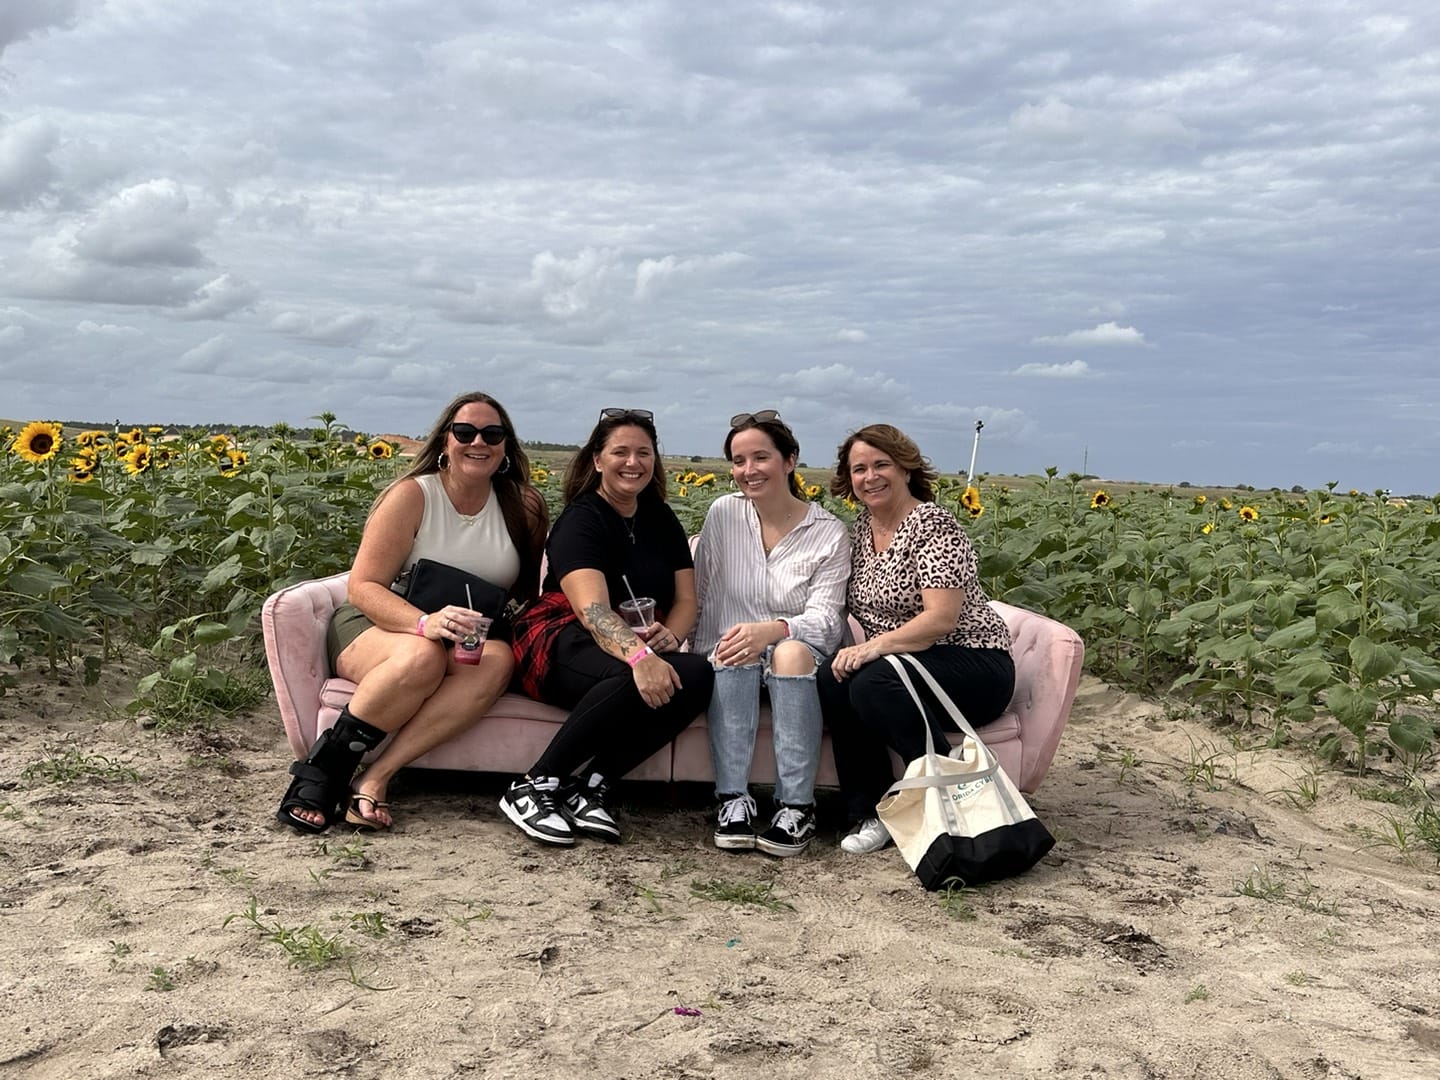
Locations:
{"points": [[493, 434], [627, 414], [761, 417]]}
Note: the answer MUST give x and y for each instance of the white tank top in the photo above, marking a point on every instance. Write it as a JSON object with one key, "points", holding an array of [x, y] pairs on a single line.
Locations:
{"points": [[479, 543]]}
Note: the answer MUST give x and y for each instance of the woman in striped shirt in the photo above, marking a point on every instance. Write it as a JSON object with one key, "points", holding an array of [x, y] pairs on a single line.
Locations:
{"points": [[771, 570]]}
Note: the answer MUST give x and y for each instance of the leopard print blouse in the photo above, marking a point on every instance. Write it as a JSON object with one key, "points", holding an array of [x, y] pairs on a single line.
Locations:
{"points": [[930, 551]]}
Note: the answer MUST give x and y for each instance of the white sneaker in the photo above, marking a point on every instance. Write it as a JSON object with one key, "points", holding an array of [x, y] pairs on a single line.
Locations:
{"points": [[534, 806], [870, 835]]}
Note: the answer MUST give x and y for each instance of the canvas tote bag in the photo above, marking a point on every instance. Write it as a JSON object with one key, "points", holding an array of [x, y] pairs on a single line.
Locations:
{"points": [[959, 816]]}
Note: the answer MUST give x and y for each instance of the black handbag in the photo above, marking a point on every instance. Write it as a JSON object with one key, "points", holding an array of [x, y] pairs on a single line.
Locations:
{"points": [[432, 585]]}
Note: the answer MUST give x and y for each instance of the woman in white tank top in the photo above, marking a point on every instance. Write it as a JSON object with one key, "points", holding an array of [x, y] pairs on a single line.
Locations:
{"points": [[466, 502]]}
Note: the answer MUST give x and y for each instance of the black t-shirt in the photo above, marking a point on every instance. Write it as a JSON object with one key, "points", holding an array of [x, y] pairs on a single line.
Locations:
{"points": [[590, 534]]}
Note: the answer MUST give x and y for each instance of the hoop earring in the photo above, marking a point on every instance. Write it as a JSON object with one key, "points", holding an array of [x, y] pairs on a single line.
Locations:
{"points": [[443, 461], [505, 464]]}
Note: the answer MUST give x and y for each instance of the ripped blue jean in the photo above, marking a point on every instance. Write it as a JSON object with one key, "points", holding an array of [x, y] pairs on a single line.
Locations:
{"points": [[734, 720]]}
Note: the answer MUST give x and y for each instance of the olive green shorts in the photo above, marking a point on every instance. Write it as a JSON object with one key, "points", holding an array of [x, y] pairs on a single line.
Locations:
{"points": [[349, 622]]}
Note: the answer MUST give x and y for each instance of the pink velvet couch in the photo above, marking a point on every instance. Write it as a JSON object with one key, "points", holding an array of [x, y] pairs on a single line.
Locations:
{"points": [[1048, 656]]}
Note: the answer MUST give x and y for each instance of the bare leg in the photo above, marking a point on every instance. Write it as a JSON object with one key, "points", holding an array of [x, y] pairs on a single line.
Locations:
{"points": [[464, 696], [792, 658]]}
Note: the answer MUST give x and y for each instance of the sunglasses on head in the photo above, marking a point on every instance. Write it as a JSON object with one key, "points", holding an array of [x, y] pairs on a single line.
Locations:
{"points": [[760, 417], [627, 414], [493, 434]]}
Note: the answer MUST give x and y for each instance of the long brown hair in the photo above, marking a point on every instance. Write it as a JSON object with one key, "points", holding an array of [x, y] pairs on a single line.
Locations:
{"points": [[783, 439], [521, 505], [899, 448], [581, 476]]}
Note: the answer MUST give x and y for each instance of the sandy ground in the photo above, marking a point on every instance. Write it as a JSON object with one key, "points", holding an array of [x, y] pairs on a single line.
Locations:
{"points": [[472, 952]]}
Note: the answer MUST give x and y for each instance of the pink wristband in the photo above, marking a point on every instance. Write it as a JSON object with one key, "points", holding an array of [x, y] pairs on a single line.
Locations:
{"points": [[420, 626], [638, 655]]}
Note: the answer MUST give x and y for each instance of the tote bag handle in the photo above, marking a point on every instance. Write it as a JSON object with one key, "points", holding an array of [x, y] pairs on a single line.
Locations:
{"points": [[990, 766]]}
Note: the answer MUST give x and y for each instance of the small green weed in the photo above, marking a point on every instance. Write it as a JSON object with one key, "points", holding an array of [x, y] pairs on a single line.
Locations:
{"points": [[954, 901], [740, 892], [236, 875], [1305, 895], [66, 765], [650, 897], [1299, 978], [1204, 766], [306, 946], [369, 923], [1304, 791], [1125, 760], [1197, 993], [475, 911], [160, 980]]}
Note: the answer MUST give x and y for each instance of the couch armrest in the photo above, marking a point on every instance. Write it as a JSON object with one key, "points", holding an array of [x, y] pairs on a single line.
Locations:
{"points": [[294, 622]]}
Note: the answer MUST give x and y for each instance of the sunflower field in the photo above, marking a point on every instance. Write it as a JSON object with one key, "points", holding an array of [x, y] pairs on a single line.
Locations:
{"points": [[1289, 615]]}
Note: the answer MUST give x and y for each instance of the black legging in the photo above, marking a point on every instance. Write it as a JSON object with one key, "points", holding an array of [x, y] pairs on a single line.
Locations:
{"points": [[610, 729], [871, 713]]}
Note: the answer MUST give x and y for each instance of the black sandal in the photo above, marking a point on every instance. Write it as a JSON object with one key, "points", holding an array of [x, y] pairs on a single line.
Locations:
{"points": [[322, 780]]}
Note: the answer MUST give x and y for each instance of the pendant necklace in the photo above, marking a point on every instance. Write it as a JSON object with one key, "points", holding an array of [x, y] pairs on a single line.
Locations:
{"points": [[629, 524]]}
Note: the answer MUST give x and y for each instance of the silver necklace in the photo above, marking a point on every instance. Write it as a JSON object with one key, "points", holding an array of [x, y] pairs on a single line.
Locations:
{"points": [[629, 524]]}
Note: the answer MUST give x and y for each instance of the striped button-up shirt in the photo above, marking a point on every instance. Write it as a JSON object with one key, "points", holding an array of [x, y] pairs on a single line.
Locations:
{"points": [[801, 581]]}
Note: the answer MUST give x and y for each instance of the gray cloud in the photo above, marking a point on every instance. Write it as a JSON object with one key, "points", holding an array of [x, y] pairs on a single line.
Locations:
{"points": [[26, 171], [851, 213]]}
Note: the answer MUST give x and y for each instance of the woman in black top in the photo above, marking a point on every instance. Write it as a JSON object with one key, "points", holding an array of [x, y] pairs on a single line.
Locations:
{"points": [[628, 695]]}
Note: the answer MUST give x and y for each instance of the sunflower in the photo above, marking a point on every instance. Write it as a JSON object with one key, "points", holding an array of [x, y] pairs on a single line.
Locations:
{"points": [[163, 456], [1354, 493], [86, 459], [1207, 528], [78, 475], [138, 459], [217, 446], [539, 477], [1099, 500], [38, 441], [1325, 519], [380, 450], [136, 436], [1199, 500], [1226, 504], [977, 510], [813, 491], [1248, 513], [683, 491], [155, 429], [121, 442], [232, 461], [970, 500], [86, 438]]}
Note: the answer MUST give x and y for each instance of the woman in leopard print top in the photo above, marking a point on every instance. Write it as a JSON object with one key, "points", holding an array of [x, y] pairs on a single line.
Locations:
{"points": [[914, 588]]}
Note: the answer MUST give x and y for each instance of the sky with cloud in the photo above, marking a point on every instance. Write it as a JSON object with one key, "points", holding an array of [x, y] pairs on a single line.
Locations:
{"points": [[1158, 241]]}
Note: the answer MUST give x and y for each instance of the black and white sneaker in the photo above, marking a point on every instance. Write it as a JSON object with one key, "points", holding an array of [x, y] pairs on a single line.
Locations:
{"points": [[583, 804], [735, 823], [533, 805], [790, 831]]}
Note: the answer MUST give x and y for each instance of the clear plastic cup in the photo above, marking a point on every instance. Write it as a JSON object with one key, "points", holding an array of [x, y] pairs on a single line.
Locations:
{"points": [[639, 614], [469, 647]]}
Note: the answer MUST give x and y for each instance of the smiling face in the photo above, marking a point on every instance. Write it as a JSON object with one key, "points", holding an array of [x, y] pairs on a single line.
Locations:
{"points": [[878, 482], [758, 468], [476, 460], [626, 464]]}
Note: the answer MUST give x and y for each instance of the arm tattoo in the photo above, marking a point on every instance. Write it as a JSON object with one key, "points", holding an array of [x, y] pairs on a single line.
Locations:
{"points": [[610, 631]]}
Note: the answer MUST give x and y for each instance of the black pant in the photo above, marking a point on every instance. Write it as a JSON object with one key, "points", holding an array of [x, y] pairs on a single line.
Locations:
{"points": [[610, 729], [871, 713]]}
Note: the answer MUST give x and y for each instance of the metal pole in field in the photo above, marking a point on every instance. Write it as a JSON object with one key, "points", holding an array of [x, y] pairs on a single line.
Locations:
{"points": [[975, 449]]}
